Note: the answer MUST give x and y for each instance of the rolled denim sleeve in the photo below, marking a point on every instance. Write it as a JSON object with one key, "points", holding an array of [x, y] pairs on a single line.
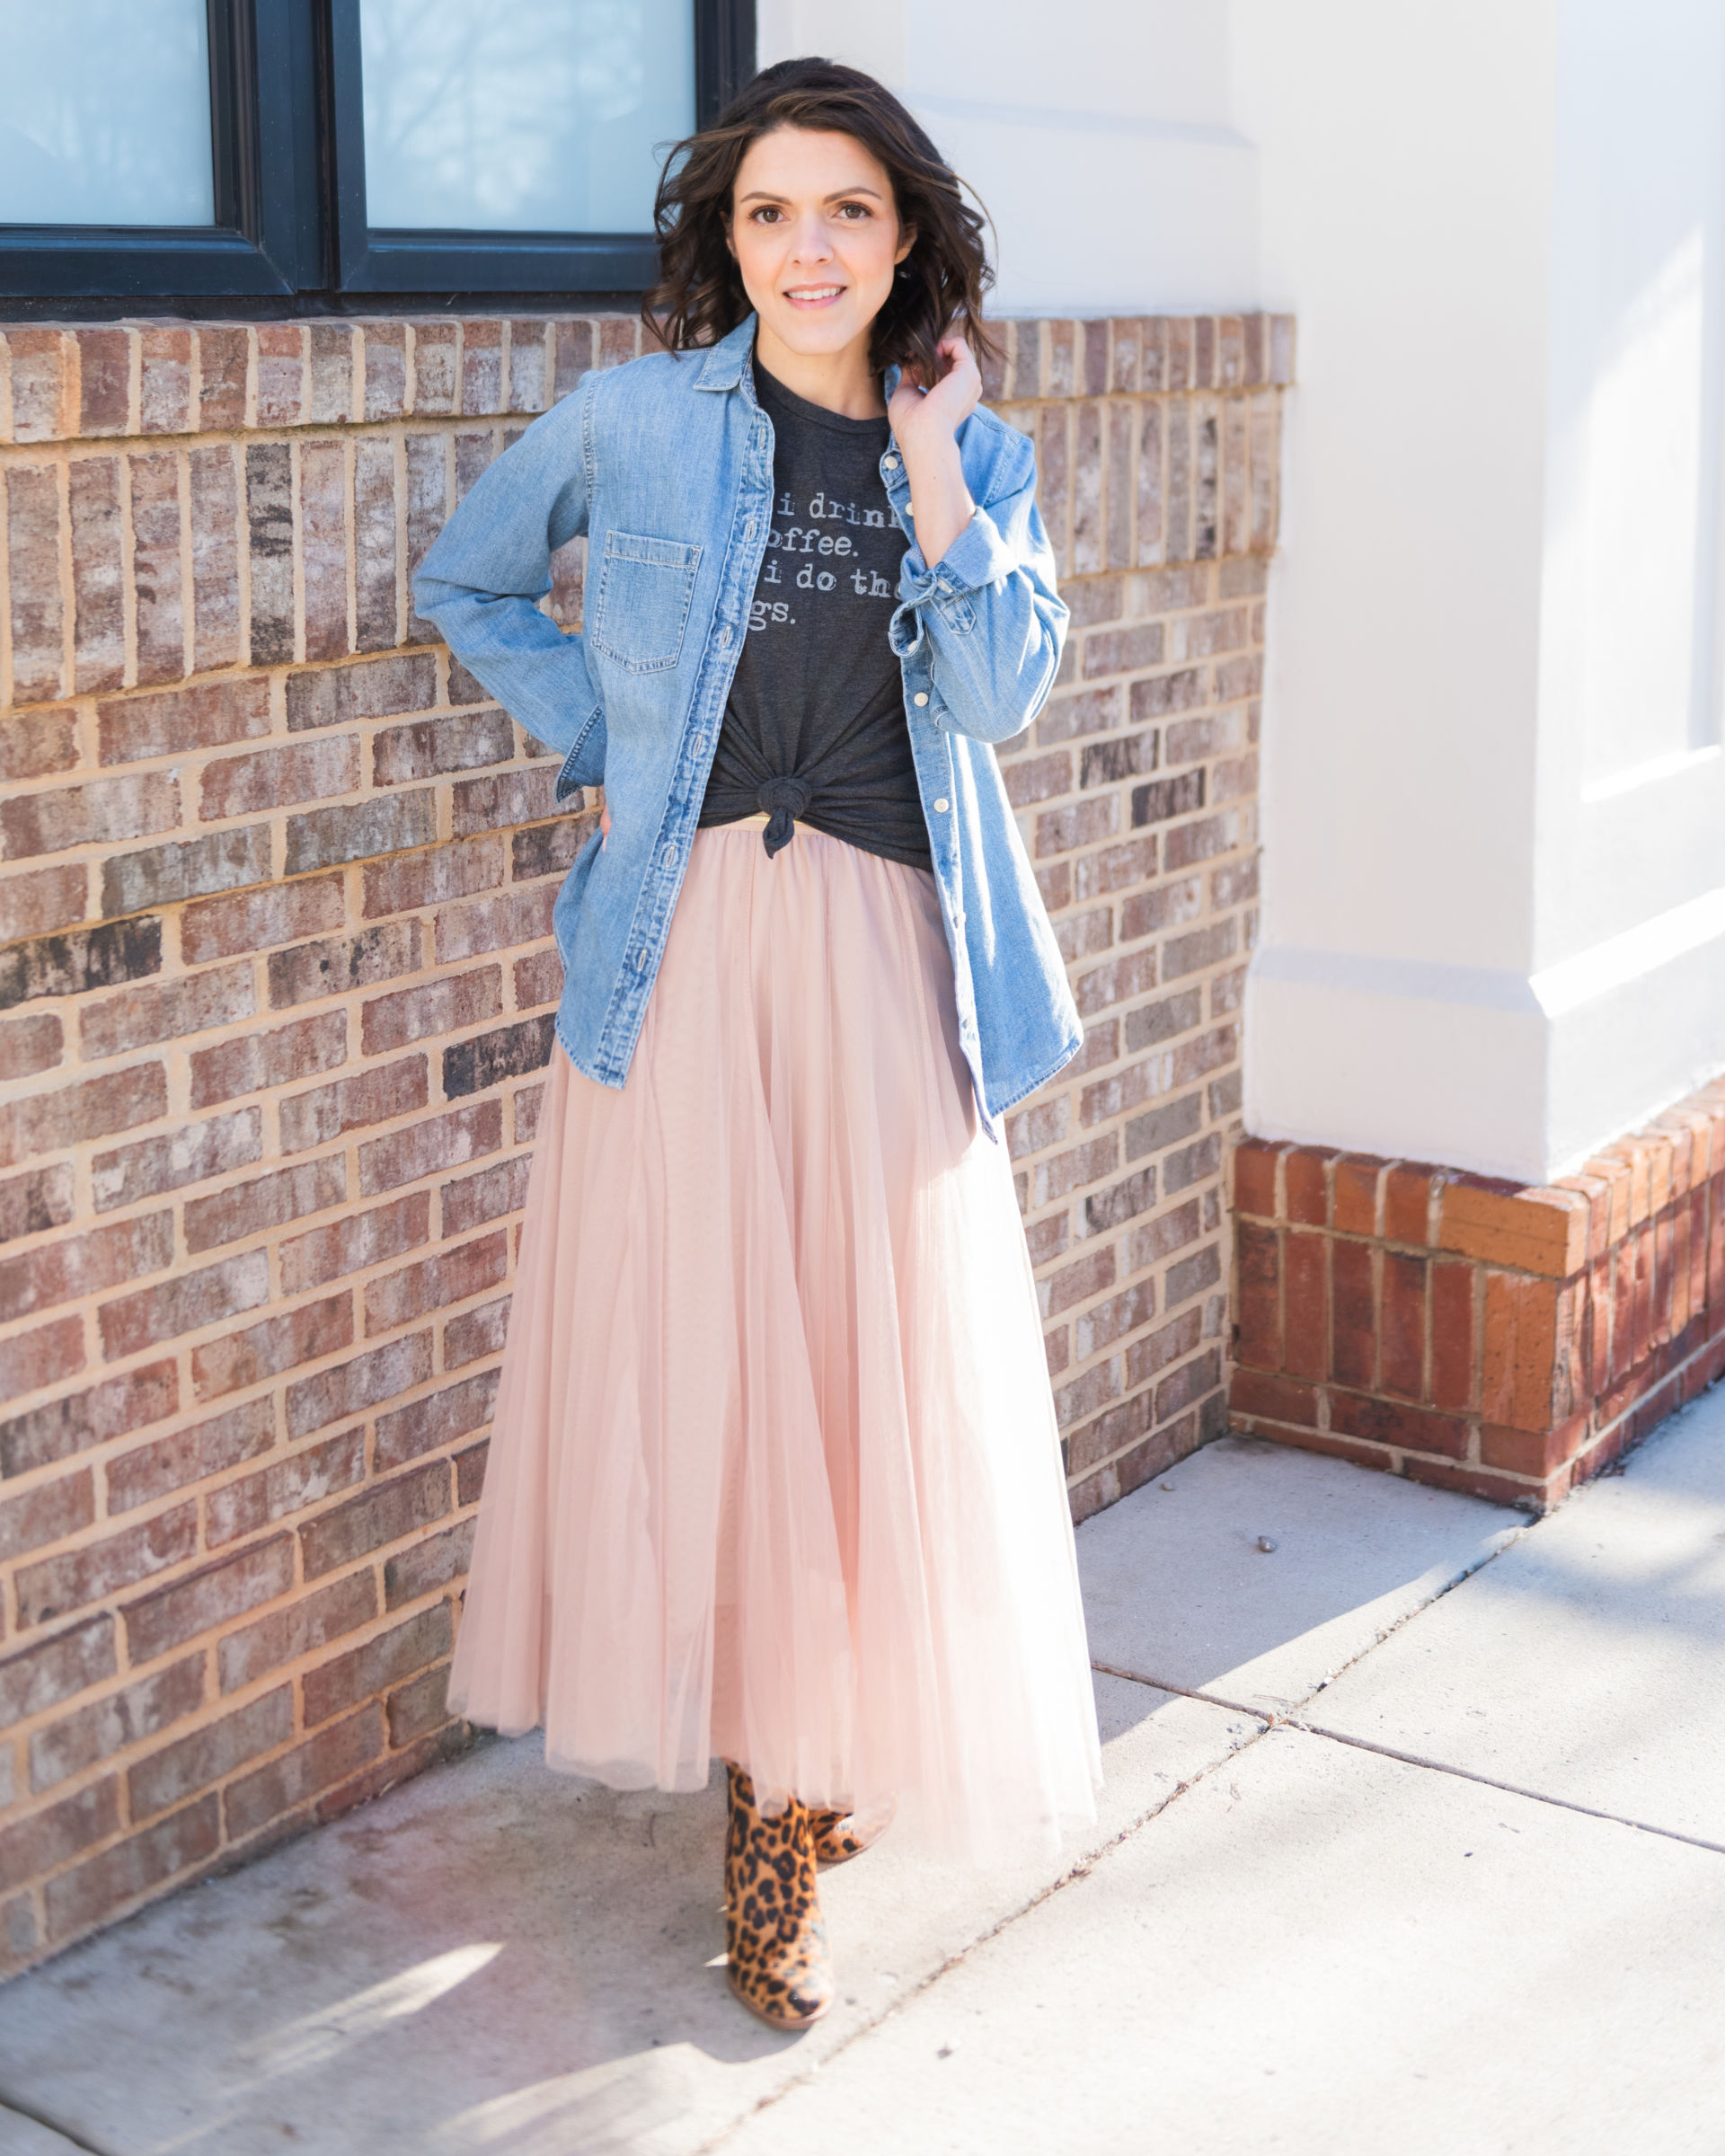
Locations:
{"points": [[986, 619], [489, 568]]}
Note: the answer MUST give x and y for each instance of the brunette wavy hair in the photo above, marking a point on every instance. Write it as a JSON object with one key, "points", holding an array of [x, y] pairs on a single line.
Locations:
{"points": [[939, 285]]}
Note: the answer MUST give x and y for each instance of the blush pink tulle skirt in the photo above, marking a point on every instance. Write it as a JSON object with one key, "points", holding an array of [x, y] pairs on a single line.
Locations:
{"points": [[774, 1474]]}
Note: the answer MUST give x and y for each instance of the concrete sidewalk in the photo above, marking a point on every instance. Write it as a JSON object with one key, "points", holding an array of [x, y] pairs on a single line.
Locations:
{"points": [[1413, 1841]]}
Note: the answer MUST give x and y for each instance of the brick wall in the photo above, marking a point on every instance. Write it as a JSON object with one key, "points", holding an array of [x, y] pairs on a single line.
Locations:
{"points": [[1505, 1339], [275, 984]]}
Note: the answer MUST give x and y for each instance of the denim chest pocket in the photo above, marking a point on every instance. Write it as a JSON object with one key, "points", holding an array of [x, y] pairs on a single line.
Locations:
{"points": [[641, 606]]}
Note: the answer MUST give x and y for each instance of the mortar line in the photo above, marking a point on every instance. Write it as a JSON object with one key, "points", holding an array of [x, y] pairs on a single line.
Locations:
{"points": [[50, 2125]]}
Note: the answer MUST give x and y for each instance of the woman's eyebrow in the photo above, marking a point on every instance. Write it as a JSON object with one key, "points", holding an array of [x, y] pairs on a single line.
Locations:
{"points": [[839, 194]]}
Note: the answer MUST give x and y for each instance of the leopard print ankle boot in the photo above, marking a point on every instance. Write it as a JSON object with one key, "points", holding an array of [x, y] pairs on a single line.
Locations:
{"points": [[841, 1835], [774, 1940]]}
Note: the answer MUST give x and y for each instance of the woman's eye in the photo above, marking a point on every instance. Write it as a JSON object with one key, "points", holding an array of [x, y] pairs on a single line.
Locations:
{"points": [[855, 210]]}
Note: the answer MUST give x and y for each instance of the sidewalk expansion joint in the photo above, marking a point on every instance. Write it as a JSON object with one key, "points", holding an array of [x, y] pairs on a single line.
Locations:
{"points": [[1079, 1869], [1511, 1789], [15, 2108]]}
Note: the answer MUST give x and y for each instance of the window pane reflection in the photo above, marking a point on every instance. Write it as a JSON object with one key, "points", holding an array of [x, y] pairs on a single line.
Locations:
{"points": [[105, 114], [541, 116]]}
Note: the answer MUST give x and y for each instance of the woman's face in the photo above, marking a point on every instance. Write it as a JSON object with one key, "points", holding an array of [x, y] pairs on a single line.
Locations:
{"points": [[816, 234]]}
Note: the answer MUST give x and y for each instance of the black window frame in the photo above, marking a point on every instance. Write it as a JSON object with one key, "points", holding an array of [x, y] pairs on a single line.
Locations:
{"points": [[288, 149]]}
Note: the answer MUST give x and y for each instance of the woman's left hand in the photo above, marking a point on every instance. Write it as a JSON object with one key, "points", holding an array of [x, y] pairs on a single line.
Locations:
{"points": [[920, 416], [926, 426]]}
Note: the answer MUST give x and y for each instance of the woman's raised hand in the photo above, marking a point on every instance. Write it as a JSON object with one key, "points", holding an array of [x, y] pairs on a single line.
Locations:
{"points": [[921, 415]]}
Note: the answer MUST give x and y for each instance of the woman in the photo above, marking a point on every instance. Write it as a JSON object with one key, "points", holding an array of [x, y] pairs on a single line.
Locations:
{"points": [[774, 1474]]}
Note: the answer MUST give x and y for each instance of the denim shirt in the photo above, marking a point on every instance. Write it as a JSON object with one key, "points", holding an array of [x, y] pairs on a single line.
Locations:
{"points": [[667, 464]]}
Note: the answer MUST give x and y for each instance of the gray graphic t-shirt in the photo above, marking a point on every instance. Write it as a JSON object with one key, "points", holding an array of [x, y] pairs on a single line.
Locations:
{"points": [[815, 729]]}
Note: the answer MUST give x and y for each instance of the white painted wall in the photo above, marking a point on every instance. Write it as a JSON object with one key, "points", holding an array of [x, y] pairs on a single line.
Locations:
{"points": [[1494, 804], [1106, 182], [1494, 795]]}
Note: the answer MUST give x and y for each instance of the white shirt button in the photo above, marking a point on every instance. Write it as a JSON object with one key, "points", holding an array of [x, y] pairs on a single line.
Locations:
{"points": [[724, 638], [941, 806], [891, 463], [920, 697]]}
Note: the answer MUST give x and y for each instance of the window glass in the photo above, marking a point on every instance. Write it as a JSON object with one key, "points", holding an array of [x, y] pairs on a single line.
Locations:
{"points": [[539, 116], [105, 114]]}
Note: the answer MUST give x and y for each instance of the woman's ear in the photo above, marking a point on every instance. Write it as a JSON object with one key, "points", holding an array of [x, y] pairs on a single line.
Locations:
{"points": [[907, 240]]}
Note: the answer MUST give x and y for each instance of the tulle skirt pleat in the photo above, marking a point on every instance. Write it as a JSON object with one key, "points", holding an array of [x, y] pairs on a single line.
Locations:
{"points": [[775, 1474]]}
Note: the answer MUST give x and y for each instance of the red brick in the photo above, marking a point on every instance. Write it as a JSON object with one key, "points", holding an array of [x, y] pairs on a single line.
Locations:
{"points": [[1304, 1179], [220, 928], [156, 1011], [269, 778], [47, 1513], [328, 1758], [186, 1304], [1306, 1306], [97, 1891], [372, 688], [1263, 1398], [323, 545], [350, 1388], [157, 579], [418, 1706], [165, 380], [29, 1046], [32, 1202], [1535, 1231], [1537, 1453], [223, 360], [190, 1155], [1452, 1336], [433, 1144], [450, 1275], [314, 1618], [1259, 1315], [251, 1061], [208, 1598], [1354, 1351], [49, 1837], [487, 1196], [83, 1420], [1520, 1350], [216, 622], [428, 1567], [1355, 1194], [81, 1265], [98, 610], [34, 745], [362, 1240], [38, 901], [1388, 1422], [279, 1343], [44, 1675], [376, 1095], [452, 741], [332, 967], [37, 615], [114, 1724], [518, 916], [101, 811], [207, 1448], [469, 1472], [210, 1755], [374, 521], [376, 1665], [434, 875], [269, 1202], [1401, 1325], [54, 1585], [287, 1486], [1255, 1178]]}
